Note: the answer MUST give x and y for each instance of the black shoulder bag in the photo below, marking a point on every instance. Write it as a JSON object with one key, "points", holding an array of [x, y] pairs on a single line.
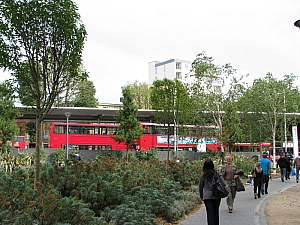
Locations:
{"points": [[219, 188]]}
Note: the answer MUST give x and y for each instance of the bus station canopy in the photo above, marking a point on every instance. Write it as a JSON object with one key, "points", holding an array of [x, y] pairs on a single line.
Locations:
{"points": [[97, 115]]}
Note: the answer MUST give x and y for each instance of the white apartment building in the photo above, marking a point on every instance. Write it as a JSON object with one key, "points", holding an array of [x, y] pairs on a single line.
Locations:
{"points": [[170, 69], [175, 68]]}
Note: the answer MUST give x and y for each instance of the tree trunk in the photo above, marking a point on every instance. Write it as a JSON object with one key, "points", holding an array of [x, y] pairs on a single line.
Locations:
{"points": [[37, 160], [127, 151]]}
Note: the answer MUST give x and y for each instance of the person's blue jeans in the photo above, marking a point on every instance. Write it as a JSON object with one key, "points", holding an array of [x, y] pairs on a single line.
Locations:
{"points": [[212, 211], [283, 173]]}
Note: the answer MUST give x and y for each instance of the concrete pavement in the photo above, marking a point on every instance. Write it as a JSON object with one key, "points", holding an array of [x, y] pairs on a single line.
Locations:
{"points": [[246, 209]]}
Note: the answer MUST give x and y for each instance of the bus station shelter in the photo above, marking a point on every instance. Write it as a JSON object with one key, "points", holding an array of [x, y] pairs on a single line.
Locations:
{"points": [[88, 115]]}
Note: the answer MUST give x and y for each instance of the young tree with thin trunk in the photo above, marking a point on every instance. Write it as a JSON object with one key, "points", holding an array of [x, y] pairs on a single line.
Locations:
{"points": [[129, 129], [41, 43], [267, 101], [170, 100], [215, 91]]}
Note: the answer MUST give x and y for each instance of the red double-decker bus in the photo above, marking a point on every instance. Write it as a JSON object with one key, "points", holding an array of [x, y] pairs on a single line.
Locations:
{"points": [[252, 147], [100, 137], [189, 137], [84, 136], [19, 142]]}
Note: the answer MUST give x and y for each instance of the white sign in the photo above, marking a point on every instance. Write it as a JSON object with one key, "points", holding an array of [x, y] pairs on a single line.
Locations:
{"points": [[201, 146], [295, 140]]}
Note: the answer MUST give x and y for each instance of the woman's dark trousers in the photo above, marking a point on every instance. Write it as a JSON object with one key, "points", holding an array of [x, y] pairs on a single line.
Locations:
{"points": [[212, 211]]}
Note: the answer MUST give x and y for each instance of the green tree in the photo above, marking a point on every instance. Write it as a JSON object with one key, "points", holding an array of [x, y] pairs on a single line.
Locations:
{"points": [[266, 101], [85, 94], [41, 44], [170, 100], [141, 94], [67, 97], [214, 91], [8, 114], [129, 126], [31, 131]]}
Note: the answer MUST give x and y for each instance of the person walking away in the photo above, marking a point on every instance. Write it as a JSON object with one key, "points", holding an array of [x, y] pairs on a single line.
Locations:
{"points": [[258, 180], [283, 163], [266, 167], [229, 172], [288, 169], [296, 165], [212, 203]]}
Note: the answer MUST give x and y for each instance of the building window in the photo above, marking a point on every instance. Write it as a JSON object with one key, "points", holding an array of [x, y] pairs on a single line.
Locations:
{"points": [[46, 135], [186, 66], [178, 66], [178, 75], [155, 70]]}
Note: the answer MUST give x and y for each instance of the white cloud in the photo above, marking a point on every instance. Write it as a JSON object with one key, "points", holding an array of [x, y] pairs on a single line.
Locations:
{"points": [[256, 37]]}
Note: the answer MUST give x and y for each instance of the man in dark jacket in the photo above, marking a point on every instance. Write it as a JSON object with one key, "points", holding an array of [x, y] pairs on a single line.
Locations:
{"points": [[283, 163], [288, 169]]}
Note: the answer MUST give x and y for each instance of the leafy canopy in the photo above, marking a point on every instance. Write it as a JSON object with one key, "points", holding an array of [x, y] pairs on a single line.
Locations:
{"points": [[41, 43], [129, 129]]}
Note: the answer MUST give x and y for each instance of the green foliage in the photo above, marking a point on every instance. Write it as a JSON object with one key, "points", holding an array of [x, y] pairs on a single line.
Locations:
{"points": [[41, 45], [170, 100], [279, 96], [141, 94], [185, 172], [215, 91], [57, 156], [110, 190], [110, 185], [24, 205], [244, 163], [85, 94], [213, 155], [129, 129], [9, 163], [8, 113], [152, 154], [31, 131]]}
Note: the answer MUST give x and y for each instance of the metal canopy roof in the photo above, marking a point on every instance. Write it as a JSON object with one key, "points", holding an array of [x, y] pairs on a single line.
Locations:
{"points": [[83, 114], [96, 115]]}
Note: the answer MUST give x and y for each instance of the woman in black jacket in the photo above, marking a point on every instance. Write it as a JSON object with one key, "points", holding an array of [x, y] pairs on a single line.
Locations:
{"points": [[257, 174], [212, 204]]}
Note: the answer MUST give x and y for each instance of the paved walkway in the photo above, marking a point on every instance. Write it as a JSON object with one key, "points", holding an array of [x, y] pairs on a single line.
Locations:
{"points": [[246, 209]]}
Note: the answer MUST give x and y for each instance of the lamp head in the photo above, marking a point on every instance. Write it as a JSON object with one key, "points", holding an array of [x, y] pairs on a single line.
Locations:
{"points": [[67, 114], [297, 23]]}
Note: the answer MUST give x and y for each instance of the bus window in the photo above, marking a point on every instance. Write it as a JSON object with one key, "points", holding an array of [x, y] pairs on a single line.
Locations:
{"points": [[59, 129], [163, 130], [103, 130], [74, 130], [151, 130], [111, 130], [88, 130], [145, 130], [19, 138]]}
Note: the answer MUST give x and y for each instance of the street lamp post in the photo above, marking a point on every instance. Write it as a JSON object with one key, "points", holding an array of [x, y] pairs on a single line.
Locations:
{"points": [[67, 114], [285, 136]]}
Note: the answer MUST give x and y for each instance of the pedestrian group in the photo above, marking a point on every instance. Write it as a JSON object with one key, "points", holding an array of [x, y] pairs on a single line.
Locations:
{"points": [[229, 173]]}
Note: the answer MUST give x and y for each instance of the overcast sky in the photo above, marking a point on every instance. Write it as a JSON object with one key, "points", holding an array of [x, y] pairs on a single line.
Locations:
{"points": [[255, 36]]}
